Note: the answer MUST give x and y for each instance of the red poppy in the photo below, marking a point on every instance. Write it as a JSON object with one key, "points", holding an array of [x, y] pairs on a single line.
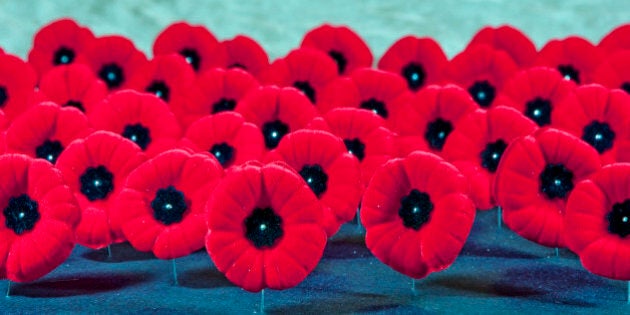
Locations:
{"points": [[417, 214], [342, 44], [597, 222], [617, 39], [95, 168], [535, 92], [475, 147], [45, 130], [39, 217], [162, 205], [115, 59], [305, 69], [140, 117], [195, 43], [264, 227], [573, 57], [60, 42], [482, 70], [426, 119], [276, 111], [419, 60], [331, 172], [244, 53], [17, 82], [614, 71], [227, 136], [509, 39], [534, 179]]}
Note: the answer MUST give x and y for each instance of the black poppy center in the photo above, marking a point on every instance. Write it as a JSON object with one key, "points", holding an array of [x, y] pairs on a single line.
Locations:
{"points": [[139, 134], [263, 227], [340, 59], [192, 57], [4, 96], [307, 89], [49, 150], [315, 177], [491, 155], [415, 75], [112, 75], [375, 106], [63, 56], [619, 219], [169, 205], [626, 87], [569, 73], [556, 181], [415, 209], [599, 135], [355, 147], [539, 110], [75, 104], [273, 132], [21, 214], [96, 183], [160, 89], [437, 132], [223, 152], [223, 105], [482, 92]]}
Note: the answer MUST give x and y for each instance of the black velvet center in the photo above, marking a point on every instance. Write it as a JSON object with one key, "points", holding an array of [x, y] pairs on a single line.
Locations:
{"points": [[4, 96], [437, 132], [96, 183], [482, 92], [139, 134], [160, 89], [375, 106], [491, 155], [75, 104], [112, 75], [626, 87], [315, 177], [619, 219], [21, 214], [569, 73], [63, 56], [49, 150], [307, 89], [599, 135], [556, 181], [223, 152], [539, 110], [273, 132], [355, 147], [263, 227], [192, 57], [223, 105], [415, 209], [169, 205], [415, 75], [340, 59]]}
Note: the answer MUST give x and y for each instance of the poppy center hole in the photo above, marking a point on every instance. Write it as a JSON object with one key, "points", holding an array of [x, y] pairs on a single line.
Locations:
{"points": [[619, 219], [556, 181], [599, 136], [315, 177], [569, 73], [539, 110], [437, 132], [49, 150], [169, 205], [112, 75], [355, 147], [21, 214], [75, 104], [482, 92], [192, 57], [4, 96], [96, 183], [139, 134], [307, 89], [273, 132], [340, 59], [263, 227], [159, 89], [415, 209], [415, 75], [223, 105], [376, 106], [223, 152], [491, 155], [63, 56], [626, 87]]}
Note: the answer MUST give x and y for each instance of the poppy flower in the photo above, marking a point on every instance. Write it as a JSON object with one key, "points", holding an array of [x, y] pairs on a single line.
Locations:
{"points": [[195, 43], [331, 172], [419, 60], [17, 82], [534, 179], [305, 69], [482, 70], [227, 136], [475, 147], [342, 44], [509, 39], [597, 222], [535, 92], [38, 218], [614, 71], [162, 205], [45, 130], [243, 52], [574, 57], [276, 111], [115, 59], [140, 117], [617, 39], [417, 214], [95, 168], [264, 227], [61, 42], [426, 119]]}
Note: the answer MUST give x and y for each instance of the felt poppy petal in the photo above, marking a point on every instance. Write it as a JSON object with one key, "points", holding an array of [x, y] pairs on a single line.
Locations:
{"points": [[225, 247], [195, 43], [181, 240], [247, 271], [586, 209], [245, 53], [510, 39]]}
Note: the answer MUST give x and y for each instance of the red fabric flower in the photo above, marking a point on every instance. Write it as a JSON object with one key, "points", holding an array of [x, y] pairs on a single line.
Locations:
{"points": [[534, 179], [38, 218], [597, 222], [244, 53], [45, 130], [140, 117], [162, 205], [509, 39], [419, 60], [617, 39], [95, 168], [331, 172], [475, 147], [574, 57], [17, 82], [264, 227], [195, 43], [342, 44], [417, 214], [614, 71], [60, 42], [227, 136]]}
